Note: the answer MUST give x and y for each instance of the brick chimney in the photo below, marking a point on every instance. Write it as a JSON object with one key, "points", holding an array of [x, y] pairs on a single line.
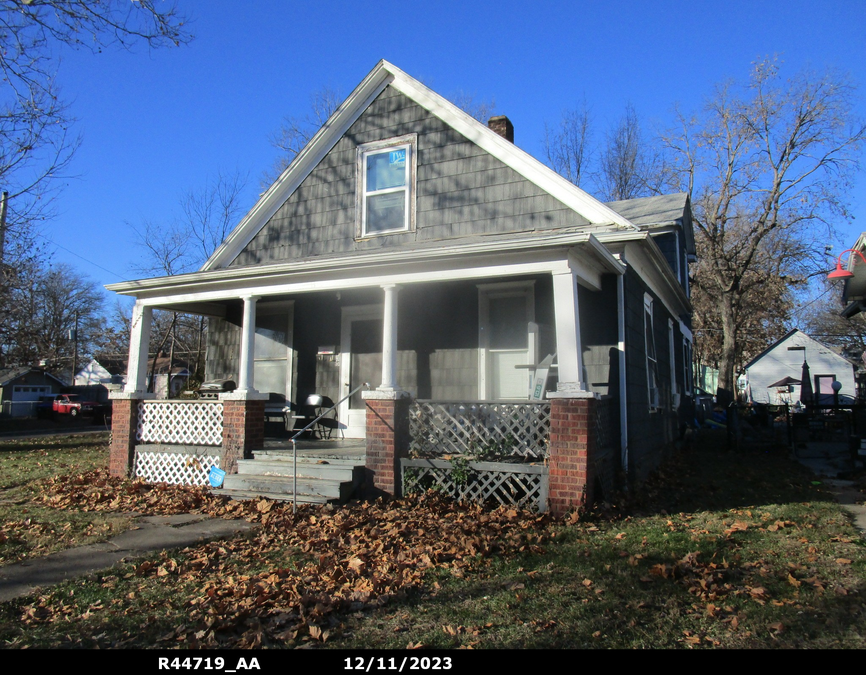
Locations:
{"points": [[502, 126]]}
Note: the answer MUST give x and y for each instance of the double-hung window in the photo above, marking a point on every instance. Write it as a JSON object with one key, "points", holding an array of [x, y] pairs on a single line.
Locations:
{"points": [[687, 366], [652, 370], [386, 186]]}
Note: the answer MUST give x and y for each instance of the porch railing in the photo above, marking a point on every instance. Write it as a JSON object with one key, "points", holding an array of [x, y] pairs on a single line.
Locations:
{"points": [[180, 422], [483, 429]]}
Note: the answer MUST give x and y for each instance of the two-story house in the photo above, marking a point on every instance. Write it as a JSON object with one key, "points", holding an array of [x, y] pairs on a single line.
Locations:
{"points": [[414, 248]]}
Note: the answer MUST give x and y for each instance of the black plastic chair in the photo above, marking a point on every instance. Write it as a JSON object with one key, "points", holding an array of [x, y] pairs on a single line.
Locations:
{"points": [[315, 405]]}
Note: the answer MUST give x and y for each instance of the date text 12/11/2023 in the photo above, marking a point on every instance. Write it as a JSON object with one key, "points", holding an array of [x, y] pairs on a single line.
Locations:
{"points": [[378, 663]]}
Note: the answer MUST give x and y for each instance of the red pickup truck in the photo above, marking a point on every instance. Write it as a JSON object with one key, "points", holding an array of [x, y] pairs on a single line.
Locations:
{"points": [[71, 404]]}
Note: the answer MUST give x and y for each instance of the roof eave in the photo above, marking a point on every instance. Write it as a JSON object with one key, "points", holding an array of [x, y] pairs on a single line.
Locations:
{"points": [[529, 242]]}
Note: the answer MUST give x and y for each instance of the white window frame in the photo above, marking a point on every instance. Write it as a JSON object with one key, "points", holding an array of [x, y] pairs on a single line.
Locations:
{"points": [[687, 366], [408, 142], [675, 390], [652, 373]]}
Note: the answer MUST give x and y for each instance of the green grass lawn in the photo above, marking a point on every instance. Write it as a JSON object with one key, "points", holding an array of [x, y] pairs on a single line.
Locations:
{"points": [[717, 550], [27, 528]]}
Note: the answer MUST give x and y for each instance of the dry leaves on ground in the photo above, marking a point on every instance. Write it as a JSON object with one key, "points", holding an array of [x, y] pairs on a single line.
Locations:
{"points": [[353, 558]]}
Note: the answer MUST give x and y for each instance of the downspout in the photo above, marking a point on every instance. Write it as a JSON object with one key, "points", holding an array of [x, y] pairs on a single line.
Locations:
{"points": [[623, 407]]}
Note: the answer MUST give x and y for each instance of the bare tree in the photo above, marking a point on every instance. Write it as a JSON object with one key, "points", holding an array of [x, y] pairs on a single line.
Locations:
{"points": [[211, 213], [764, 310], [629, 166], [208, 215], [566, 146], [295, 132], [49, 302], [767, 165], [482, 110], [821, 318], [36, 145]]}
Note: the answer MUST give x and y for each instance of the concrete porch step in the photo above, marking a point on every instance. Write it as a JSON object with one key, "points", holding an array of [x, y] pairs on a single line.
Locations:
{"points": [[322, 477], [280, 487], [335, 469], [252, 494], [348, 454]]}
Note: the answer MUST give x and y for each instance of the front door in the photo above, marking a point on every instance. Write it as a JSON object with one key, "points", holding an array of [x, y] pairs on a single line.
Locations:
{"points": [[506, 339], [360, 362]]}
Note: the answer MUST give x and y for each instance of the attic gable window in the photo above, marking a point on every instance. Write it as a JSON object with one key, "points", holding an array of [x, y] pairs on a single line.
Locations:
{"points": [[386, 186]]}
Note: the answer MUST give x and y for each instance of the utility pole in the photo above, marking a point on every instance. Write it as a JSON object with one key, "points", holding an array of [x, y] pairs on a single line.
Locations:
{"points": [[3, 205], [74, 336]]}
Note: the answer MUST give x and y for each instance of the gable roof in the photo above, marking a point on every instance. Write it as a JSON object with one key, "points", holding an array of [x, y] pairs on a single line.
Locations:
{"points": [[12, 374], [383, 75], [804, 338], [656, 212]]}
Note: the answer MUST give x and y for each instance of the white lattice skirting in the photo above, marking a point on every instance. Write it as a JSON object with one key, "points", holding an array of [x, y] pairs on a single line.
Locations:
{"points": [[176, 468], [180, 422], [499, 428], [523, 485]]}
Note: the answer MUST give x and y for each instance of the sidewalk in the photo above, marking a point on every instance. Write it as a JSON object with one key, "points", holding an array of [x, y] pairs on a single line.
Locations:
{"points": [[829, 460], [149, 533]]}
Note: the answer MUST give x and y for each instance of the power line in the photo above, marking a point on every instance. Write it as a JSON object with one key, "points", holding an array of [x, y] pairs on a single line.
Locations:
{"points": [[50, 241]]}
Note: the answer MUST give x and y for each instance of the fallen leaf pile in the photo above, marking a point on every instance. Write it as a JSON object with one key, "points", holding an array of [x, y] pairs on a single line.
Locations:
{"points": [[97, 490], [347, 559]]}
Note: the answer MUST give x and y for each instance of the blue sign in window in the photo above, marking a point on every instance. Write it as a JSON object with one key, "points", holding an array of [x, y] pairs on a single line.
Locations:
{"points": [[397, 156]]}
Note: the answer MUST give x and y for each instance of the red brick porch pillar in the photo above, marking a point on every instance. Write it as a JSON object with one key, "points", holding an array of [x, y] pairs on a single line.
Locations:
{"points": [[387, 440], [243, 427], [124, 429], [572, 445]]}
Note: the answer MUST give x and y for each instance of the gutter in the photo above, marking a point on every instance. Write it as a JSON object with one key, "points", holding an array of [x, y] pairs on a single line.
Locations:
{"points": [[359, 261], [623, 403]]}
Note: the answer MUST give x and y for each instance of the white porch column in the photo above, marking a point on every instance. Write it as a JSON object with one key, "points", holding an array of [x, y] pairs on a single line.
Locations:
{"points": [[248, 344], [389, 340], [142, 318], [568, 345]]}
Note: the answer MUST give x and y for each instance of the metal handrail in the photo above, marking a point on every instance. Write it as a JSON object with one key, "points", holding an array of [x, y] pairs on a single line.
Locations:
{"points": [[295, 445]]}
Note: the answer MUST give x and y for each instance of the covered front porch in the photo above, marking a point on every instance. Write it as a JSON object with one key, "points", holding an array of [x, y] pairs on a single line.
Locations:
{"points": [[471, 334]]}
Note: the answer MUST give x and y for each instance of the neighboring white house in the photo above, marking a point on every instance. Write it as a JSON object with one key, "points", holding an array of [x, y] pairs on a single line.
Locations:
{"points": [[95, 373], [769, 375]]}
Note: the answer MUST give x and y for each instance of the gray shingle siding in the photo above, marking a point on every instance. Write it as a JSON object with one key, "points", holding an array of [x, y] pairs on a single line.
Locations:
{"points": [[649, 435], [599, 336], [461, 191], [667, 242]]}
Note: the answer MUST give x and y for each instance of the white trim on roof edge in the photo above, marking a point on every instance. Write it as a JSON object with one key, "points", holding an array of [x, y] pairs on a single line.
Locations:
{"points": [[351, 109], [514, 244]]}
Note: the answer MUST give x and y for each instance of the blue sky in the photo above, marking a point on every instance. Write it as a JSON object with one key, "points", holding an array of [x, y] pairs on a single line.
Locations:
{"points": [[156, 124]]}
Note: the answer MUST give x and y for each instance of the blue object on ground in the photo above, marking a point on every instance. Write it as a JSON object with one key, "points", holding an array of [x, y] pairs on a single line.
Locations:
{"points": [[216, 476]]}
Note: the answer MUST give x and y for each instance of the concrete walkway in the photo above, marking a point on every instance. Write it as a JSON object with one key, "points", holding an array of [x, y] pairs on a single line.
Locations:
{"points": [[149, 533], [848, 495], [828, 460]]}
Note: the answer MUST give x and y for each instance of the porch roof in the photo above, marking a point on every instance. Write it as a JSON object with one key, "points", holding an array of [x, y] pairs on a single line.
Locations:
{"points": [[482, 257]]}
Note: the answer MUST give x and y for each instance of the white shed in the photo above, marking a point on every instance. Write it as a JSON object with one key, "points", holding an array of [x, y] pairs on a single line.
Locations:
{"points": [[769, 375]]}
